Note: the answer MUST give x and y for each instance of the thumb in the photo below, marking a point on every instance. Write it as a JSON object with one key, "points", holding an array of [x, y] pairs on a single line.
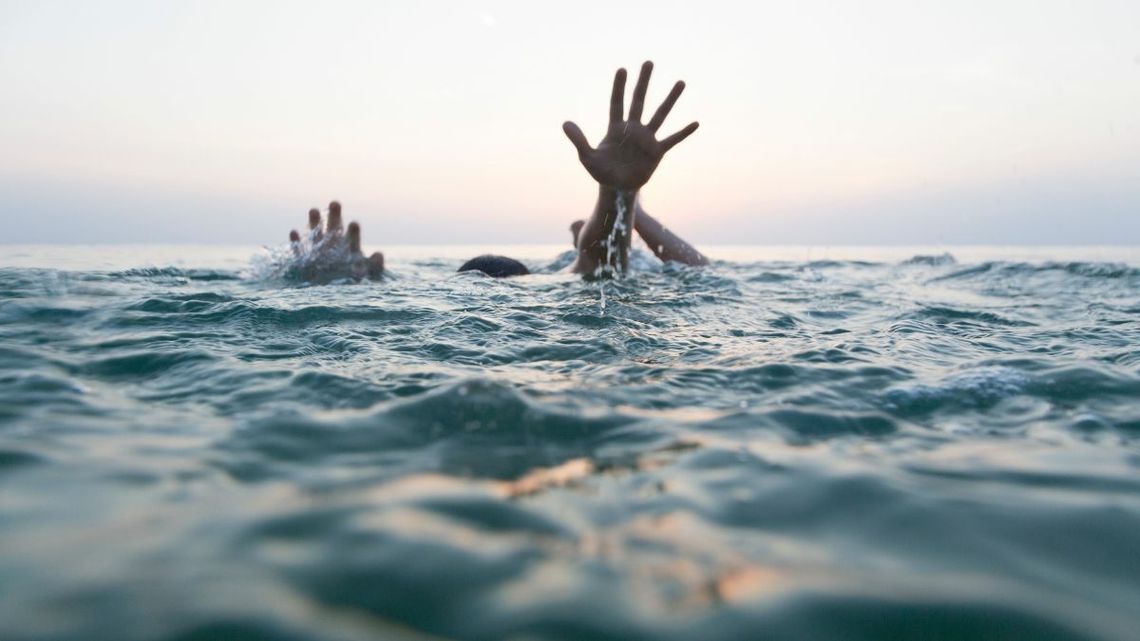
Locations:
{"points": [[577, 138]]}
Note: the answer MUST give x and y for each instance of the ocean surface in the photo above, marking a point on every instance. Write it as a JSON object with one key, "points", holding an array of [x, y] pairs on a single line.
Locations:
{"points": [[792, 444]]}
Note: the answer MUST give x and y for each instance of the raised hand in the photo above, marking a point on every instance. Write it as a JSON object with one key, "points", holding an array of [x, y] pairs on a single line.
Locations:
{"points": [[630, 152], [334, 253]]}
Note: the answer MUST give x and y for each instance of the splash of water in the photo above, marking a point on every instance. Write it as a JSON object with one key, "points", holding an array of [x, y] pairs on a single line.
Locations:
{"points": [[316, 258], [711, 456], [612, 268]]}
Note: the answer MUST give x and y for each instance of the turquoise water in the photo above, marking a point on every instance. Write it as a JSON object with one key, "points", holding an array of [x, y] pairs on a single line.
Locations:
{"points": [[792, 444]]}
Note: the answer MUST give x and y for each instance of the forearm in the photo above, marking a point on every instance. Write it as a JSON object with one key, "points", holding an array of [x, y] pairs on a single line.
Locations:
{"points": [[664, 243], [603, 242]]}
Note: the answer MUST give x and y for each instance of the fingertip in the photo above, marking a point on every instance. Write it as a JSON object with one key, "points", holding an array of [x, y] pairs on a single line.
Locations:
{"points": [[577, 138], [335, 221], [354, 237], [376, 265], [576, 230], [676, 138]]}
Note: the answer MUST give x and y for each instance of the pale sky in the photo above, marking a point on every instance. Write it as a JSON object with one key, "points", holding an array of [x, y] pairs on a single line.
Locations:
{"points": [[871, 122]]}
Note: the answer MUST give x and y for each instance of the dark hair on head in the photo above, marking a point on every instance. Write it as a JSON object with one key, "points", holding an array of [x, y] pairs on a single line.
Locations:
{"points": [[495, 266]]}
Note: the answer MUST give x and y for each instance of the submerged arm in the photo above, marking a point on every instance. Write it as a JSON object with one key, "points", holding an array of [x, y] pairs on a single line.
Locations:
{"points": [[664, 243], [603, 242]]}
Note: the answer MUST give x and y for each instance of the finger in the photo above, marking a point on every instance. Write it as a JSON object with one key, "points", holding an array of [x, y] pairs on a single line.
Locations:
{"points": [[676, 138], [617, 98], [335, 223], [354, 238], [576, 137], [575, 229], [667, 106], [637, 105], [375, 265], [314, 218]]}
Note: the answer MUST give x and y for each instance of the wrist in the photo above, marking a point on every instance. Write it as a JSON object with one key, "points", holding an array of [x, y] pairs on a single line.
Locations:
{"points": [[613, 193], [623, 202]]}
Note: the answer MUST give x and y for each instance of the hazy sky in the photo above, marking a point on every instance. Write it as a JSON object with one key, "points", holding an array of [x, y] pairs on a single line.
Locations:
{"points": [[821, 122]]}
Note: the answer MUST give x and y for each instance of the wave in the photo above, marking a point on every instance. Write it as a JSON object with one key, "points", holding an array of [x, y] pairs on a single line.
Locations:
{"points": [[166, 274], [11, 460], [831, 451], [220, 310], [984, 387], [941, 315], [143, 364], [937, 260], [771, 277], [978, 388], [835, 264], [1092, 270], [477, 427]]}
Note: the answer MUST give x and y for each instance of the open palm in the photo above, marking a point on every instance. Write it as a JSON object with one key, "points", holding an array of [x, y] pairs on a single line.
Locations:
{"points": [[630, 152]]}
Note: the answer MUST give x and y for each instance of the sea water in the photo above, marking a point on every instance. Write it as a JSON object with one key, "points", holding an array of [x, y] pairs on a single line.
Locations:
{"points": [[792, 443]]}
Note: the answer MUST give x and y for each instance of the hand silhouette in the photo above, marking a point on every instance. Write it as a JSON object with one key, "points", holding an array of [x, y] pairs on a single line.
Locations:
{"points": [[334, 253], [630, 152]]}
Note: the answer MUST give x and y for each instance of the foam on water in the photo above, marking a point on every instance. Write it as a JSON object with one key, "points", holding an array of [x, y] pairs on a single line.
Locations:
{"points": [[316, 258], [870, 446]]}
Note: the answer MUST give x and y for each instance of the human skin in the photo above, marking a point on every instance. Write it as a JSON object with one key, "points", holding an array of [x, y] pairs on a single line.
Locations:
{"points": [[621, 164], [332, 237], [666, 245]]}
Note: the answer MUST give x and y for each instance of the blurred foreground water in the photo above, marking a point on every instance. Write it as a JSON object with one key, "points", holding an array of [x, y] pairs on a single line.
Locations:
{"points": [[862, 443]]}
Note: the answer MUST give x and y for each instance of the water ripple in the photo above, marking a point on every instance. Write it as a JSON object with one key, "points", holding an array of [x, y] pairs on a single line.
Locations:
{"points": [[932, 447]]}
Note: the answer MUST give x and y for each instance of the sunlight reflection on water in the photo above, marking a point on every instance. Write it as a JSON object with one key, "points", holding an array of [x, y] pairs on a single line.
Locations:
{"points": [[793, 443]]}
